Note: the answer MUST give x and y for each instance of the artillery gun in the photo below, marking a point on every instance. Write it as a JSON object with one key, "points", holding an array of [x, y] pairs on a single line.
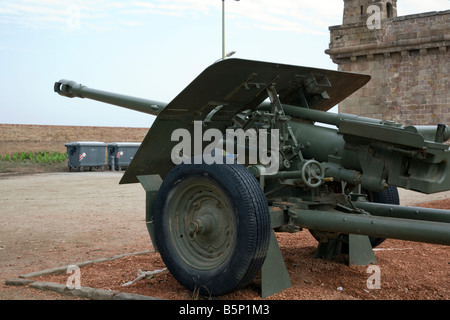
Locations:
{"points": [[213, 200]]}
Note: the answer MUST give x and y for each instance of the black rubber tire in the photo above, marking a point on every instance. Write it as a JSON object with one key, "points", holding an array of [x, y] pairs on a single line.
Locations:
{"points": [[388, 196], [252, 228]]}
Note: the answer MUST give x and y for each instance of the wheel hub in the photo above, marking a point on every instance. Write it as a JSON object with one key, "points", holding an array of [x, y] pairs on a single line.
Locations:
{"points": [[203, 227]]}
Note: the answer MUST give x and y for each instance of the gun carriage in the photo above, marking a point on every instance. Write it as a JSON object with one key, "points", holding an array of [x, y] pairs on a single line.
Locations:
{"points": [[213, 222]]}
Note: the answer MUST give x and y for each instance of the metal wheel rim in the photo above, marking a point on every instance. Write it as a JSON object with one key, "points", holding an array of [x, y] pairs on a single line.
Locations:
{"points": [[201, 223]]}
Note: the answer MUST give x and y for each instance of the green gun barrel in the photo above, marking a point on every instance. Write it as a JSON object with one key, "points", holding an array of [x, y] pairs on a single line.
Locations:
{"points": [[71, 89]]}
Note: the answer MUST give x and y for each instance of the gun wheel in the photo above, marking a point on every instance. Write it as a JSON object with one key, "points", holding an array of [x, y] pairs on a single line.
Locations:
{"points": [[212, 226], [388, 196]]}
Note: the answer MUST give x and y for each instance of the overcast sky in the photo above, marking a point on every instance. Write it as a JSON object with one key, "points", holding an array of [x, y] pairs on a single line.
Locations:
{"points": [[149, 49]]}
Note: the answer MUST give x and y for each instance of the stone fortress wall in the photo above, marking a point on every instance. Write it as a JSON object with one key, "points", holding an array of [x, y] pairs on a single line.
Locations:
{"points": [[408, 58]]}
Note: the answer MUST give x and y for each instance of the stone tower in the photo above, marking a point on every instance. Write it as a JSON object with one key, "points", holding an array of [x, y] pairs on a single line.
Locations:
{"points": [[408, 58], [356, 11]]}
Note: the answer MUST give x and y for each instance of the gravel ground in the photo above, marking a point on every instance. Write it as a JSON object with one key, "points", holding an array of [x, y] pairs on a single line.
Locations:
{"points": [[56, 219]]}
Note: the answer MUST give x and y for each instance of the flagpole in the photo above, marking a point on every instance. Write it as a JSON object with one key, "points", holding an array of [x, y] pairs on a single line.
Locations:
{"points": [[223, 29]]}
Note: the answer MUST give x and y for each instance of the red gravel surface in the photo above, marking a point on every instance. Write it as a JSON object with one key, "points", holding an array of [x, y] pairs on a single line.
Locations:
{"points": [[52, 220]]}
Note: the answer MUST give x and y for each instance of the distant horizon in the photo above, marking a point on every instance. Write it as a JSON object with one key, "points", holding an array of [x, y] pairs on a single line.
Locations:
{"points": [[64, 125]]}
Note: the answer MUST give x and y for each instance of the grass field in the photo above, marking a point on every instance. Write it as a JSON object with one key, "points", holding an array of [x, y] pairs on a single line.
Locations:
{"points": [[33, 162]]}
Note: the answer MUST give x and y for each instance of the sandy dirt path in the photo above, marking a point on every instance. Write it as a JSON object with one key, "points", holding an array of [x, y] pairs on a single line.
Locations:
{"points": [[54, 219]]}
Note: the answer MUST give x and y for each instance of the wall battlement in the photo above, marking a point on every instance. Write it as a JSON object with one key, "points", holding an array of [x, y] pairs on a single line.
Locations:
{"points": [[408, 58]]}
